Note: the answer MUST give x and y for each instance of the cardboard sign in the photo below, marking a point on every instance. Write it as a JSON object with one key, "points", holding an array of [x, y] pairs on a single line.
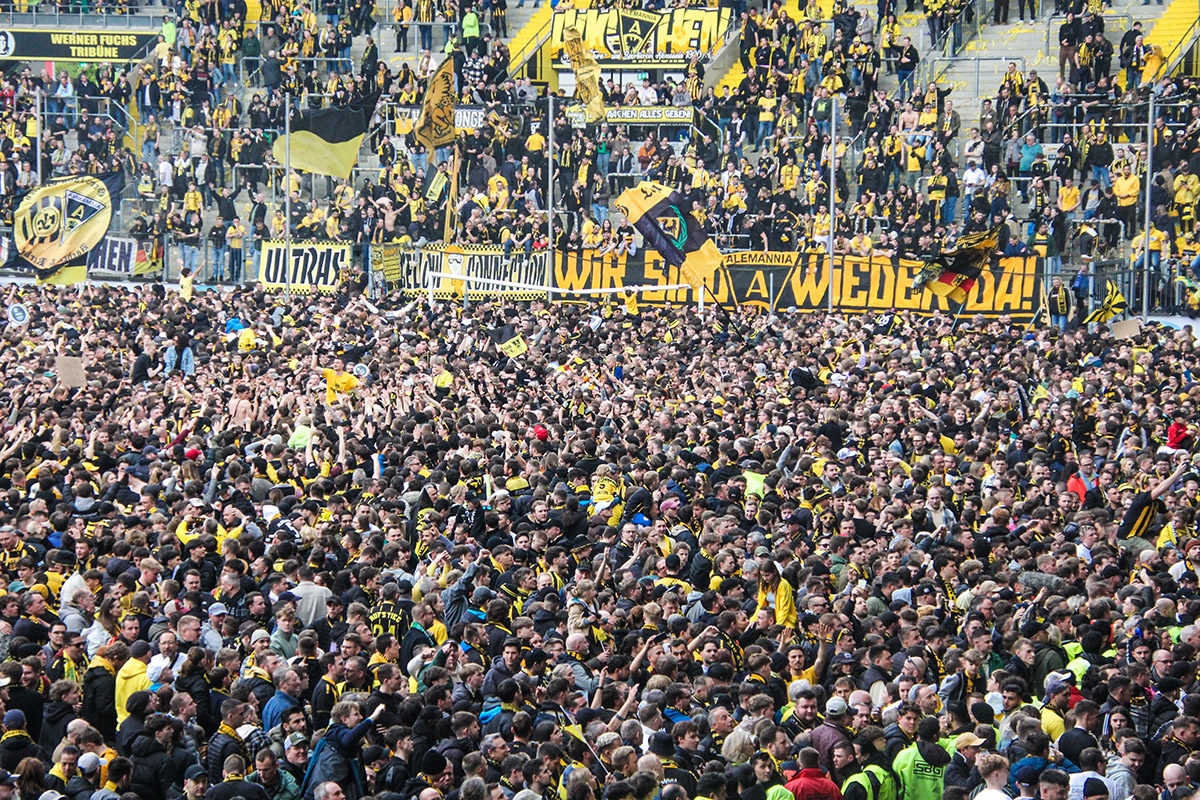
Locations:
{"points": [[70, 371], [1126, 328]]}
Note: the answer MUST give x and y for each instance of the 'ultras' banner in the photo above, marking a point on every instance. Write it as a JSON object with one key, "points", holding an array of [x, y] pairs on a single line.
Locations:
{"points": [[314, 266], [627, 39], [801, 280], [408, 269], [42, 44]]}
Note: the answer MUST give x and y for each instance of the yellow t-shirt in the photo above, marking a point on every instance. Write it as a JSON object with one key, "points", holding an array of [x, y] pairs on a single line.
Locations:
{"points": [[336, 384], [1068, 198]]}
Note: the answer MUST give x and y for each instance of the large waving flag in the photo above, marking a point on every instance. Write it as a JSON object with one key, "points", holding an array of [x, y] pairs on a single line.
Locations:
{"points": [[657, 213], [56, 225], [587, 75], [435, 126], [326, 141], [1114, 305], [953, 273]]}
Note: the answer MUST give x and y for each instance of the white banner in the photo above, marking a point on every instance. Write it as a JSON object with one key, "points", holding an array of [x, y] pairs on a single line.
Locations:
{"points": [[114, 257]]}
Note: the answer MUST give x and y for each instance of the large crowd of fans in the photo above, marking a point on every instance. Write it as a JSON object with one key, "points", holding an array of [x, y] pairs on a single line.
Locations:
{"points": [[333, 548], [327, 548]]}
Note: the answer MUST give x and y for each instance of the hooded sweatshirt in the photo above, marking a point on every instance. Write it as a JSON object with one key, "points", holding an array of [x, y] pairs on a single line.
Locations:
{"points": [[922, 770]]}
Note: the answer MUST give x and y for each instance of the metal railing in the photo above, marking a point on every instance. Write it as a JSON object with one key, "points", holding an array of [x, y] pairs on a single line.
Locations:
{"points": [[49, 15], [1181, 49], [978, 60]]}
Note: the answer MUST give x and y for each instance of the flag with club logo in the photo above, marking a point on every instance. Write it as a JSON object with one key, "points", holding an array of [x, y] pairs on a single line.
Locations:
{"points": [[435, 126], [1114, 305], [56, 225], [587, 75]]}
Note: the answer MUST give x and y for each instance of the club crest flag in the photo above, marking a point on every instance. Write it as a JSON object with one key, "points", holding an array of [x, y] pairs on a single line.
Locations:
{"points": [[587, 76], [58, 224], [435, 126], [658, 214], [1114, 305]]}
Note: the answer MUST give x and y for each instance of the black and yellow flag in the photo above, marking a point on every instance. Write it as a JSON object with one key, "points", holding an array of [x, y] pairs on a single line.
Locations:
{"points": [[656, 211], [56, 225], [435, 126], [587, 75], [326, 141], [953, 273], [511, 343], [1114, 305]]}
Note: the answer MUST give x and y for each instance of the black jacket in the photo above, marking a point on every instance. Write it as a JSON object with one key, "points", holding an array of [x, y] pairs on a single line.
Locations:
{"points": [[153, 768], [32, 704], [100, 701], [54, 727], [220, 747], [229, 790], [15, 746]]}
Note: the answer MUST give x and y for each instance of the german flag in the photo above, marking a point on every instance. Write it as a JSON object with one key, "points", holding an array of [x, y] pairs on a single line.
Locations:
{"points": [[326, 141], [1114, 305], [953, 273]]}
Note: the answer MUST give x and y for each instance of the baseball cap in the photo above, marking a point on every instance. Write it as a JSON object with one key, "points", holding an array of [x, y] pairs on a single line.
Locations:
{"points": [[90, 762], [217, 609], [196, 772], [836, 707], [296, 740], [967, 740]]}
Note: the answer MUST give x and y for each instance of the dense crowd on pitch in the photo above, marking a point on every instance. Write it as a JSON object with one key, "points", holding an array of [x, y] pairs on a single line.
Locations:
{"points": [[317, 547]]}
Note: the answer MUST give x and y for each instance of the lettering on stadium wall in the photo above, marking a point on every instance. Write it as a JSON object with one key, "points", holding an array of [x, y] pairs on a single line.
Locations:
{"points": [[39, 44]]}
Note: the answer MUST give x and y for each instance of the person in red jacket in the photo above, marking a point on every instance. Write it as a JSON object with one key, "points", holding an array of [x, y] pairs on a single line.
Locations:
{"points": [[811, 783]]}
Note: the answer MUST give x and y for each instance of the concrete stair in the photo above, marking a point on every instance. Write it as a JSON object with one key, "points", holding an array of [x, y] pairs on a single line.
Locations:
{"points": [[910, 22], [1166, 30], [975, 75]]}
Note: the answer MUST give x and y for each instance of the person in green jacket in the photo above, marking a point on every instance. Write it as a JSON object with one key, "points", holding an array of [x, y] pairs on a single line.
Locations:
{"points": [[470, 32], [922, 765]]}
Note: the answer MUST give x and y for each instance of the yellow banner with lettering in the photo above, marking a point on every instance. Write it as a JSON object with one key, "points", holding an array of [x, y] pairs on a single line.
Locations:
{"points": [[634, 39], [783, 280]]}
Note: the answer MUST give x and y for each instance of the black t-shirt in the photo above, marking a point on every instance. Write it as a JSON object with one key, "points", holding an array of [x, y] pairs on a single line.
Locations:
{"points": [[141, 369]]}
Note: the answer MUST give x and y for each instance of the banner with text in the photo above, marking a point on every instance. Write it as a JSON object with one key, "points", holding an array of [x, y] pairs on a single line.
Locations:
{"points": [[114, 257], [640, 115], [313, 265], [408, 268], [632, 39], [801, 280], [41, 44]]}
